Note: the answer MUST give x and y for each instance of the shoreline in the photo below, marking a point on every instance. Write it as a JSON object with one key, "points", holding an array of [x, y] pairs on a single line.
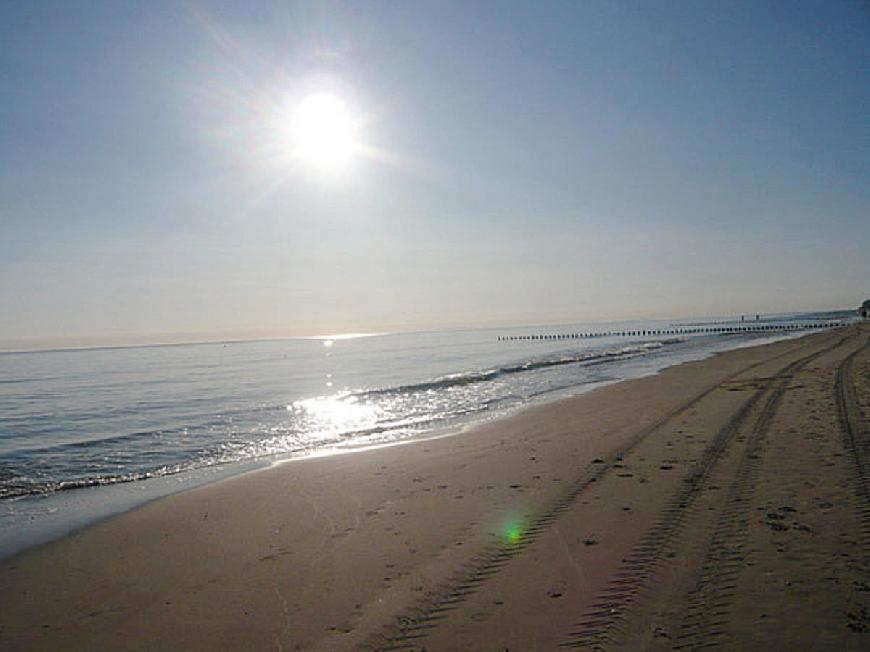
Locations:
{"points": [[512, 530], [70, 511]]}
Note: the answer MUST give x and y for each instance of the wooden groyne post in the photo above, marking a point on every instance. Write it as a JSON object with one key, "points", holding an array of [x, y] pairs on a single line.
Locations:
{"points": [[700, 330]]}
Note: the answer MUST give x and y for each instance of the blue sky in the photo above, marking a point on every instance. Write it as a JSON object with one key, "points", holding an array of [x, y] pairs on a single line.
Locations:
{"points": [[530, 162]]}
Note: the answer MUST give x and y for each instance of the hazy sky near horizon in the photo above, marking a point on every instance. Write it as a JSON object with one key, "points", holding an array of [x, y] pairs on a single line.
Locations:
{"points": [[519, 162]]}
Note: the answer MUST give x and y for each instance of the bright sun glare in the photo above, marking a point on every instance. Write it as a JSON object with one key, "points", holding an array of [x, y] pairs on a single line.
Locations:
{"points": [[323, 131]]}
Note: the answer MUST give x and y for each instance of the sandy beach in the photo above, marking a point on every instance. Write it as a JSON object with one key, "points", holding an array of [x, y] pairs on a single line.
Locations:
{"points": [[720, 503]]}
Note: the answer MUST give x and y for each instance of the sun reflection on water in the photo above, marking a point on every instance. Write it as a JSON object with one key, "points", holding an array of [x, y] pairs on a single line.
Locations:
{"points": [[330, 416]]}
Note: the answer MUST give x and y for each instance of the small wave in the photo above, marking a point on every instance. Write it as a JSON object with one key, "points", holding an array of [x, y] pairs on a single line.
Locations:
{"points": [[246, 433], [107, 442], [20, 488], [472, 377]]}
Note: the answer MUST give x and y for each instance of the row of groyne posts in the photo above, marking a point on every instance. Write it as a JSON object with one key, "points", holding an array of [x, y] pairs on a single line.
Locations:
{"points": [[695, 330]]}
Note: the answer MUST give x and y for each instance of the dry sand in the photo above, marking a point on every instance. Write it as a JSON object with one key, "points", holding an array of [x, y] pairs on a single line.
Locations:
{"points": [[721, 503]]}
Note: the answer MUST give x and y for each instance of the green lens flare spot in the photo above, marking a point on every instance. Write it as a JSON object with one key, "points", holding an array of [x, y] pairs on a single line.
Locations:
{"points": [[512, 533]]}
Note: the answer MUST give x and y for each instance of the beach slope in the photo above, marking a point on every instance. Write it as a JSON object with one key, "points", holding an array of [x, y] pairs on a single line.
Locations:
{"points": [[723, 502]]}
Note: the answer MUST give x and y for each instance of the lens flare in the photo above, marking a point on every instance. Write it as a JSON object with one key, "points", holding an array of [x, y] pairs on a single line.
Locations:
{"points": [[512, 533]]}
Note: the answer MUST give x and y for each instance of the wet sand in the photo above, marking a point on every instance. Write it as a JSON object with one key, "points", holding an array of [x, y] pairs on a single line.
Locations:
{"points": [[721, 503]]}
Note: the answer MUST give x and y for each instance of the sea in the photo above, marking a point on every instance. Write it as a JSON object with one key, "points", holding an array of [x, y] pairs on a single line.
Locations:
{"points": [[88, 433]]}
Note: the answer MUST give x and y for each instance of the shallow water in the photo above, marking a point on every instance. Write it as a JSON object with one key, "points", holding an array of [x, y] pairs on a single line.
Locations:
{"points": [[77, 425]]}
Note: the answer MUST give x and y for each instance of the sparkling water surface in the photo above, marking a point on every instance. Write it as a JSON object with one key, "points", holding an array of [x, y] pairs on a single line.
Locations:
{"points": [[84, 433]]}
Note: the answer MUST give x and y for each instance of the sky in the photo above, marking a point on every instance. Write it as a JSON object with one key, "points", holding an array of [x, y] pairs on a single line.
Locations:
{"points": [[514, 162]]}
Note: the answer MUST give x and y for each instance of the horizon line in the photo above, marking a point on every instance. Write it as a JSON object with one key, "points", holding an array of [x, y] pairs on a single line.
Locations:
{"points": [[355, 335]]}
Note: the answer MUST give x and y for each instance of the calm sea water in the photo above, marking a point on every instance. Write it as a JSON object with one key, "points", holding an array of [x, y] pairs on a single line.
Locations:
{"points": [[151, 420]]}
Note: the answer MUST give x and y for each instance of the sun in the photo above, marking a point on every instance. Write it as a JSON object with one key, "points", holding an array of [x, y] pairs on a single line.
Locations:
{"points": [[322, 131]]}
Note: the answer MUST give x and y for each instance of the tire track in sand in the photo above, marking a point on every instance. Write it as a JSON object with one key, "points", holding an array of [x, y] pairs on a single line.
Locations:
{"points": [[599, 627], [408, 630], [855, 438], [710, 600]]}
